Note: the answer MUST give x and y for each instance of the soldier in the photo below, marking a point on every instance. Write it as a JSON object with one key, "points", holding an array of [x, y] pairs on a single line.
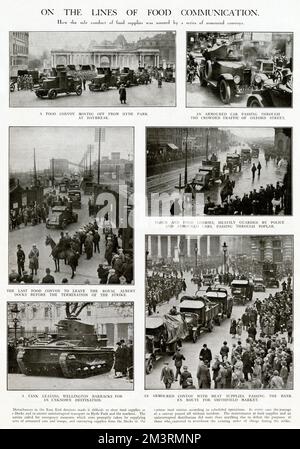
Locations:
{"points": [[20, 260]]}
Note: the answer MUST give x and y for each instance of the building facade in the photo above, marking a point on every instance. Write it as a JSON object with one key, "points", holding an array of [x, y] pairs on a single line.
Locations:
{"points": [[18, 51], [157, 51], [114, 319], [276, 249]]}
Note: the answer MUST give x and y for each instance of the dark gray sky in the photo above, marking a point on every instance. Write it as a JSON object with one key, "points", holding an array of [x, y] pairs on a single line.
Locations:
{"points": [[40, 40], [63, 142]]}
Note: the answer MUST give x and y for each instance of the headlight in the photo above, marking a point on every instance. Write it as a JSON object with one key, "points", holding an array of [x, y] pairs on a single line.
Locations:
{"points": [[237, 79], [258, 79]]}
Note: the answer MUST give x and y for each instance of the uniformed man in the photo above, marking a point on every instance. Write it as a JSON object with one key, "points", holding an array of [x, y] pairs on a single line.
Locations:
{"points": [[20, 260]]}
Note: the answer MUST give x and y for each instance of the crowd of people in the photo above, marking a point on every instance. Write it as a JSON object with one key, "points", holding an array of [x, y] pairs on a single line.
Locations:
{"points": [[267, 200], [261, 360], [25, 82], [28, 215], [123, 365], [117, 270], [161, 288]]}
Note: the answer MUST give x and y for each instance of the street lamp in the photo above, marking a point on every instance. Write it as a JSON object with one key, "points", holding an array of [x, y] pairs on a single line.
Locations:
{"points": [[15, 320], [225, 250], [196, 255]]}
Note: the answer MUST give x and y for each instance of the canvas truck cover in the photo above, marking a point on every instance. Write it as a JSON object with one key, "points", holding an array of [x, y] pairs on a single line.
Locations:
{"points": [[176, 327]]}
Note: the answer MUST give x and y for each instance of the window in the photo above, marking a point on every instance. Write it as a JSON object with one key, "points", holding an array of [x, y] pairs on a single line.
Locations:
{"points": [[46, 312], [88, 313]]}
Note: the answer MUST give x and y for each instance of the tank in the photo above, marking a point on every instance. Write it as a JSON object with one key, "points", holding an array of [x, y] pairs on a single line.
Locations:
{"points": [[74, 352]]}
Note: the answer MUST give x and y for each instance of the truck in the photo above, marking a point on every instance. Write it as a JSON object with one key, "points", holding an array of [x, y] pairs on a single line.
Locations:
{"points": [[61, 216], [269, 274], [59, 84]]}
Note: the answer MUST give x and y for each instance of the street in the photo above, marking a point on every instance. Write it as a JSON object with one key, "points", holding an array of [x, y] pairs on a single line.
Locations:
{"points": [[165, 181], [101, 382], [143, 95], [214, 339], [27, 236], [207, 97]]}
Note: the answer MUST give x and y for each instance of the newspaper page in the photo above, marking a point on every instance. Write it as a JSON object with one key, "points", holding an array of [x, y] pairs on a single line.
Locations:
{"points": [[150, 243]]}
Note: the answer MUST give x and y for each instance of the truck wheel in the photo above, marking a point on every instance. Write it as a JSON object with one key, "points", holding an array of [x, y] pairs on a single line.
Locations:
{"points": [[208, 70], [149, 366], [254, 103], [225, 92], [78, 90], [52, 94], [104, 87], [194, 337], [202, 79]]}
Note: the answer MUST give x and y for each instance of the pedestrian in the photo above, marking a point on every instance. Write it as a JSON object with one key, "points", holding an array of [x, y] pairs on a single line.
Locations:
{"points": [[185, 375], [224, 350], [215, 370], [205, 354], [122, 94], [221, 378], [203, 376], [96, 241], [167, 375], [258, 168], [84, 83], [253, 169], [239, 328], [48, 279], [33, 257], [284, 373], [20, 259], [276, 382], [233, 328], [252, 331], [118, 366], [178, 359]]}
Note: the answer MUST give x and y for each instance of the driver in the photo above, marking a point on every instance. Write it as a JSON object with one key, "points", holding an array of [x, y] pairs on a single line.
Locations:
{"points": [[287, 81]]}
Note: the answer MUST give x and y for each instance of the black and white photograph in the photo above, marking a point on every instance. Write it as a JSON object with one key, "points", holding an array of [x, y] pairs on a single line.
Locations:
{"points": [[219, 312], [239, 69], [70, 346], [198, 171], [71, 205], [92, 69]]}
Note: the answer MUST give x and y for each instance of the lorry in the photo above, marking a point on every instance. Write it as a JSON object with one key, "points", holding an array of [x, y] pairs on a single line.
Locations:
{"points": [[61, 216], [62, 83]]}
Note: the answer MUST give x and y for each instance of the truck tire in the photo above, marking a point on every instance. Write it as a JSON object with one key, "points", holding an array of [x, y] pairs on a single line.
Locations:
{"points": [[202, 79], [104, 87], [149, 366], [52, 94], [254, 103], [225, 91], [194, 336], [78, 90], [208, 70]]}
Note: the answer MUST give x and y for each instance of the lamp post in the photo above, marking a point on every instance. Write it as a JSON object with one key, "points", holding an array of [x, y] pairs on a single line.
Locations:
{"points": [[15, 311], [225, 251], [196, 256]]}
